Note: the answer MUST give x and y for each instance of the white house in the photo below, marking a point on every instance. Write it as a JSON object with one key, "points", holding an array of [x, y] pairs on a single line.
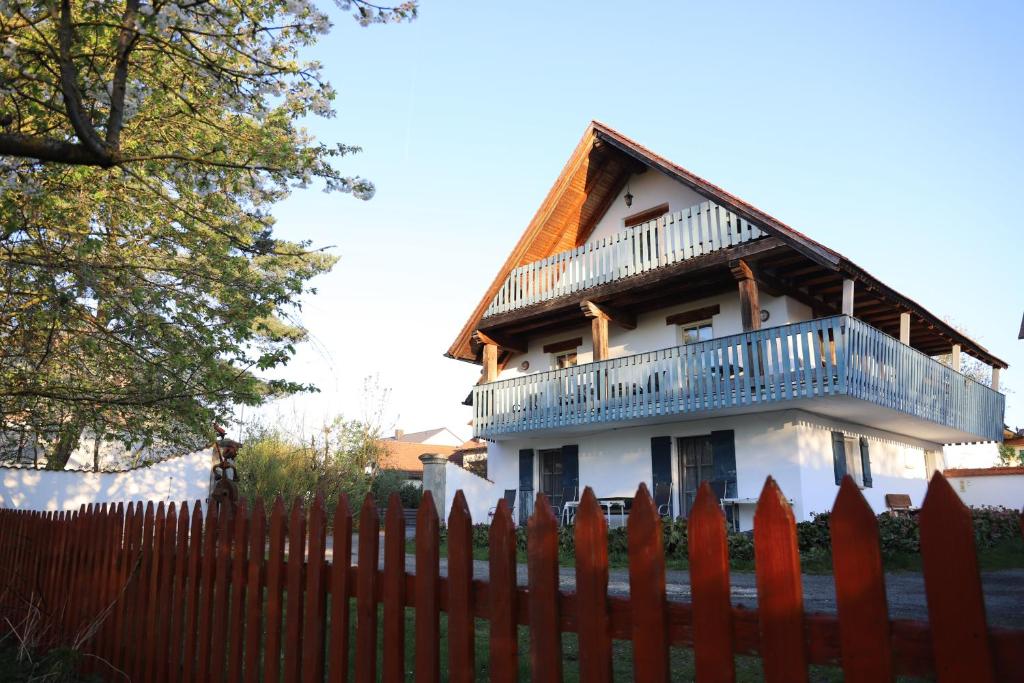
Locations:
{"points": [[650, 326]]}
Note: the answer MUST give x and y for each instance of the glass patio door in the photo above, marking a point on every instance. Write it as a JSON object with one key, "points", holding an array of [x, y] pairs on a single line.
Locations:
{"points": [[696, 465]]}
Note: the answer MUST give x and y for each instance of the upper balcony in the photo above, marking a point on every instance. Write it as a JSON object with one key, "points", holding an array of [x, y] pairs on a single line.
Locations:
{"points": [[838, 366], [674, 237]]}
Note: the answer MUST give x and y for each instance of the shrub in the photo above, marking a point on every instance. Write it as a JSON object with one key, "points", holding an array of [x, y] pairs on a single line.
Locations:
{"points": [[898, 534], [814, 534], [994, 525]]}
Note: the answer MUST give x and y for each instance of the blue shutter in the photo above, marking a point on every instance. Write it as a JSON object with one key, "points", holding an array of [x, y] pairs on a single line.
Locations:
{"points": [[865, 462], [526, 469], [723, 459], [570, 470], [661, 464], [838, 456], [661, 460]]}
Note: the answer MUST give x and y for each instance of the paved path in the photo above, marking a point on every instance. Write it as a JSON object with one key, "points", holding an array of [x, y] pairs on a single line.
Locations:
{"points": [[1004, 590]]}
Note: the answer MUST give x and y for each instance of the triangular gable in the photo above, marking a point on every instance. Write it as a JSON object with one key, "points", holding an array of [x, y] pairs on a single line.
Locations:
{"points": [[599, 167]]}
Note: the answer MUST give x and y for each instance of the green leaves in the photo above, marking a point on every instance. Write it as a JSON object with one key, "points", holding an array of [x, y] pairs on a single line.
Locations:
{"points": [[146, 142]]}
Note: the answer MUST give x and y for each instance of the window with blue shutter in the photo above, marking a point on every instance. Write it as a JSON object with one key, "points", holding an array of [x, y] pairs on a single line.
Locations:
{"points": [[838, 456], [865, 463]]}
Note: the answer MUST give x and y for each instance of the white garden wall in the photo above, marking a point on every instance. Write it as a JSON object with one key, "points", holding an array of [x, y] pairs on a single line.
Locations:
{"points": [[184, 478], [480, 493], [998, 487]]}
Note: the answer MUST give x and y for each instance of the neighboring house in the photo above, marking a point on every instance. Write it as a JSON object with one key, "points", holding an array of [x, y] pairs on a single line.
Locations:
{"points": [[472, 456], [404, 450], [650, 326]]}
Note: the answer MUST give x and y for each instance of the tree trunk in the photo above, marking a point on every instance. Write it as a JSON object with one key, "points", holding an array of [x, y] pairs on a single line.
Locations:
{"points": [[67, 441]]}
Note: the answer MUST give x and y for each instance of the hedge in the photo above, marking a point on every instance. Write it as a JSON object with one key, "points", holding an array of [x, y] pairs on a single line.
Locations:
{"points": [[898, 535]]}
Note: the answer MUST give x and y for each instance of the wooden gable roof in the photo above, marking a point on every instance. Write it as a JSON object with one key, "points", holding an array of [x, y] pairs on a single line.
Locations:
{"points": [[595, 174]]}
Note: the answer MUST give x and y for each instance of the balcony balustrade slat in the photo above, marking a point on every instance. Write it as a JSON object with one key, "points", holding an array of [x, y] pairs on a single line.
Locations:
{"points": [[826, 357], [668, 239]]}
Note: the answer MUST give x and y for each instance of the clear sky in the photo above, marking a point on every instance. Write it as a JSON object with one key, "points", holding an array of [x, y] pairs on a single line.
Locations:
{"points": [[890, 132]]}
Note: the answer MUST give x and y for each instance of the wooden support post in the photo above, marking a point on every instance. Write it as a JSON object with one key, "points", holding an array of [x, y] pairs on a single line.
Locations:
{"points": [[905, 328], [750, 304], [599, 315], [995, 378], [848, 297], [955, 362], [490, 358], [599, 329]]}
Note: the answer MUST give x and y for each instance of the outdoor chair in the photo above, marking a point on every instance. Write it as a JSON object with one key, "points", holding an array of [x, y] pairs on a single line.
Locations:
{"points": [[663, 498], [510, 498], [570, 501]]}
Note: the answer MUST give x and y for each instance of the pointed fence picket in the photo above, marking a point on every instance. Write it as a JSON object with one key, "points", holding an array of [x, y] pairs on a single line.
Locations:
{"points": [[162, 594]]}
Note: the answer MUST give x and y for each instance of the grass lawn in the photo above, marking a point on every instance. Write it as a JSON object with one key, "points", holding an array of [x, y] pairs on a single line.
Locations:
{"points": [[681, 660]]}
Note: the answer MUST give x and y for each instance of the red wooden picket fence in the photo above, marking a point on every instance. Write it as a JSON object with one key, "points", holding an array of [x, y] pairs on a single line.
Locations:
{"points": [[163, 595]]}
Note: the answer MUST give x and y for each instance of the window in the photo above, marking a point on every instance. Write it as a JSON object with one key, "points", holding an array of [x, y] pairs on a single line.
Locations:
{"points": [[565, 359], [850, 455], [645, 215], [563, 353], [853, 464], [694, 332]]}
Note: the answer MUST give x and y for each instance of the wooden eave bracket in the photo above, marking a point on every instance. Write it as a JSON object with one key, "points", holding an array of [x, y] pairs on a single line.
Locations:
{"points": [[623, 319], [741, 270], [513, 344]]}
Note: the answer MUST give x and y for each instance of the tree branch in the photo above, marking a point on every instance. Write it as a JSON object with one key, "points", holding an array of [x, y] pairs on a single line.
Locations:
{"points": [[125, 41], [72, 97], [49, 149]]}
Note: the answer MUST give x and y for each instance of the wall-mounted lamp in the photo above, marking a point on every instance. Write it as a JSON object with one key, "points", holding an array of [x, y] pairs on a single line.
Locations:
{"points": [[764, 315], [629, 197]]}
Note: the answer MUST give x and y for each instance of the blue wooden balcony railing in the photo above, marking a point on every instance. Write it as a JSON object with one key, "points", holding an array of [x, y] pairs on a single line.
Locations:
{"points": [[674, 237], [831, 356]]}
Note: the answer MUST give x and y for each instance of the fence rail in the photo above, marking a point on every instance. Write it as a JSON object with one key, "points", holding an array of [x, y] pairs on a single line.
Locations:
{"points": [[674, 237], [831, 356], [164, 595]]}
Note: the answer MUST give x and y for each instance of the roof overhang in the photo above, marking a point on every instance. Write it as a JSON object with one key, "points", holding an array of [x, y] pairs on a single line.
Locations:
{"points": [[594, 175]]}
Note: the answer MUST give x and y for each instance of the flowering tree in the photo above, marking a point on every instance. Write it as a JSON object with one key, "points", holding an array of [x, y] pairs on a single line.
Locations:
{"points": [[142, 147]]}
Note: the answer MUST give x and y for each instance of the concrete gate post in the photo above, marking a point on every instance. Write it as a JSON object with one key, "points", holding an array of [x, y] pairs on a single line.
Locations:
{"points": [[434, 480]]}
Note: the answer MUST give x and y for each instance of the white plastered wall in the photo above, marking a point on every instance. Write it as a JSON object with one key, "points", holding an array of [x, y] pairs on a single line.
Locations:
{"points": [[897, 463], [971, 456], [793, 446], [649, 189], [186, 478]]}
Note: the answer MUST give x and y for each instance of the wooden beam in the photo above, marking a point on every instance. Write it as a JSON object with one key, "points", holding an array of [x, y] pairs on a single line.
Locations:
{"points": [[995, 378], [490, 358], [750, 303], [847, 297], [697, 314], [905, 328], [507, 342], [599, 330], [777, 281], [623, 319], [564, 345], [955, 362]]}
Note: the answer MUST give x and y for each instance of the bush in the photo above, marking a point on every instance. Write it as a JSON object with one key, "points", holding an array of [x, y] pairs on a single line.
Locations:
{"points": [[814, 534], [995, 525]]}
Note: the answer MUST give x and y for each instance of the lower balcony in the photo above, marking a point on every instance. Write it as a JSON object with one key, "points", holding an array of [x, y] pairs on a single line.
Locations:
{"points": [[837, 366]]}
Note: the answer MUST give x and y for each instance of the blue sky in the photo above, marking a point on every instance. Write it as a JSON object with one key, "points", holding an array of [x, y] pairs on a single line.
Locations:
{"points": [[889, 131]]}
